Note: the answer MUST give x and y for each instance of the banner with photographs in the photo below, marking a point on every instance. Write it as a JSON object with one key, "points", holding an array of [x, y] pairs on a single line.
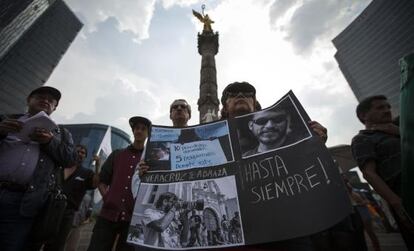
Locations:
{"points": [[257, 178]]}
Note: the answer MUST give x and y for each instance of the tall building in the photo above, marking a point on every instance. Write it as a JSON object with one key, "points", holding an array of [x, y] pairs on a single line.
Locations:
{"points": [[369, 49], [34, 35], [91, 135]]}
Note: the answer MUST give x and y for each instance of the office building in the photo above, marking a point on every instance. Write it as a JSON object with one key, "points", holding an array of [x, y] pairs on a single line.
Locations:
{"points": [[369, 49], [34, 35]]}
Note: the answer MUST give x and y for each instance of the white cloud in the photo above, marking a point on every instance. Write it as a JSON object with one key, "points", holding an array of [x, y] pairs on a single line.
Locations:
{"points": [[132, 15], [314, 20], [279, 8]]}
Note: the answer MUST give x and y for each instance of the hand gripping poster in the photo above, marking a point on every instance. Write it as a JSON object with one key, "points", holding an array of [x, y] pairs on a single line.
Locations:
{"points": [[258, 178]]}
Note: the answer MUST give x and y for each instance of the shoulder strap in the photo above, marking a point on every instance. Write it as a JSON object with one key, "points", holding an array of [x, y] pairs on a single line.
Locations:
{"points": [[58, 172]]}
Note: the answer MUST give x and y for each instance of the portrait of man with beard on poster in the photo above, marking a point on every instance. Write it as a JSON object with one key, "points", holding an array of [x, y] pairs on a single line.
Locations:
{"points": [[277, 127]]}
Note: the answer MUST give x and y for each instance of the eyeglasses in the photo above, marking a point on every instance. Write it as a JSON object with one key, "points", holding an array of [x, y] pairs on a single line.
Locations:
{"points": [[183, 106], [243, 94], [275, 120]]}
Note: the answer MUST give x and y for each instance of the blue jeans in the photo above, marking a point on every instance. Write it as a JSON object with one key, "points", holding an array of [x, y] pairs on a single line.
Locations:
{"points": [[14, 228]]}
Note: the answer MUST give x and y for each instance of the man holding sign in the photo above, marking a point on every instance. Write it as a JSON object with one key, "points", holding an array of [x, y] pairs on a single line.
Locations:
{"points": [[180, 114], [115, 187], [239, 98]]}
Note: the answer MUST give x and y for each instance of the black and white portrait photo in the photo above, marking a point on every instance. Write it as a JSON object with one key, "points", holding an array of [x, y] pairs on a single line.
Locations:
{"points": [[276, 127], [197, 214]]}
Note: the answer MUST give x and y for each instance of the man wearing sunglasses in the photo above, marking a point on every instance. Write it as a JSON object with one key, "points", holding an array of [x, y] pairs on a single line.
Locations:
{"points": [[271, 129], [239, 98], [180, 113]]}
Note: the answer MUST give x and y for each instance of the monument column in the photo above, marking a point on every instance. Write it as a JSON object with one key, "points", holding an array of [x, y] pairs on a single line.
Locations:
{"points": [[208, 103]]}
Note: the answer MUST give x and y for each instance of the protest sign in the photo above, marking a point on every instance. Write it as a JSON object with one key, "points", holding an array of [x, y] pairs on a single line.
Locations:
{"points": [[257, 178]]}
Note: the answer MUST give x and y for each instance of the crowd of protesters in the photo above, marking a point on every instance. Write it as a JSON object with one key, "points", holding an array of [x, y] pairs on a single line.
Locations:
{"points": [[31, 169]]}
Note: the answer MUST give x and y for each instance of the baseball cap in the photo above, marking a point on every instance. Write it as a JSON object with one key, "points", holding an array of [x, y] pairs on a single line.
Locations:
{"points": [[47, 89], [137, 119]]}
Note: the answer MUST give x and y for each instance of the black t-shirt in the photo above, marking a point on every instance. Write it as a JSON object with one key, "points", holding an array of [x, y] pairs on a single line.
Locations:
{"points": [[75, 186]]}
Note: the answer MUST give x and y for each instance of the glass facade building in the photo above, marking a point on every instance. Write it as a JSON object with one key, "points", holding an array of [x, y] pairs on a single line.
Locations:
{"points": [[369, 49], [91, 135], [34, 35]]}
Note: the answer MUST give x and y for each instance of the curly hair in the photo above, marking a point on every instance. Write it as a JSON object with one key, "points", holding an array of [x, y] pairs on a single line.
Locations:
{"points": [[165, 196]]}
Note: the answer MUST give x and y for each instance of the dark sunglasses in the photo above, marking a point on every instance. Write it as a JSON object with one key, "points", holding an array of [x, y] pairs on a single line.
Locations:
{"points": [[275, 120], [243, 94], [183, 106]]}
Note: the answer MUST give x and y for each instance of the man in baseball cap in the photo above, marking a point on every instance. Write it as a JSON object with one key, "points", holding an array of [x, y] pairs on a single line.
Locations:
{"points": [[239, 98], [47, 90], [45, 98], [26, 167], [133, 121], [115, 186]]}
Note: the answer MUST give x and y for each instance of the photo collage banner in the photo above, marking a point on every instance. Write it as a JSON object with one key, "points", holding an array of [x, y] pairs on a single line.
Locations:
{"points": [[257, 178]]}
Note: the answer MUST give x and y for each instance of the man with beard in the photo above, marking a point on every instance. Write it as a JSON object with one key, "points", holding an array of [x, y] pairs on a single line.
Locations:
{"points": [[239, 98], [160, 227], [270, 129]]}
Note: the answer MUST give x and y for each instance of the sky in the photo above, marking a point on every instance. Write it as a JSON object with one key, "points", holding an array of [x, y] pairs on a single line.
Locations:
{"points": [[134, 57]]}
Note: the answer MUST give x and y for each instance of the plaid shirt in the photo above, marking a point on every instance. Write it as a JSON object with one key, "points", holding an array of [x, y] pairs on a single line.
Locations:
{"points": [[385, 150]]}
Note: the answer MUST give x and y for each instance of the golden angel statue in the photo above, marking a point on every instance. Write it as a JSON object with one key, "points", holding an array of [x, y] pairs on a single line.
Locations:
{"points": [[205, 20]]}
